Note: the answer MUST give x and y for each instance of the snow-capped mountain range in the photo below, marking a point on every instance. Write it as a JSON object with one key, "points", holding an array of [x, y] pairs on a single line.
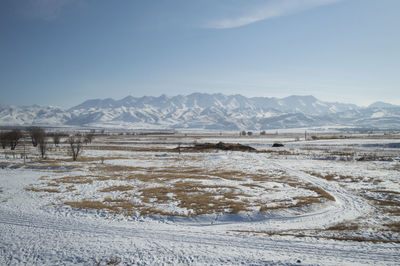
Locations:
{"points": [[206, 111]]}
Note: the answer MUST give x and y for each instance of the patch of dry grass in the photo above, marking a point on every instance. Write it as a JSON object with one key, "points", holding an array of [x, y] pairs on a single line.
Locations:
{"points": [[344, 226], [121, 206], [197, 197], [71, 188], [299, 202], [74, 180], [386, 191], [148, 211], [117, 188], [278, 151], [128, 148], [53, 164], [87, 204], [229, 175], [48, 190], [332, 237], [179, 184], [109, 199], [341, 177], [115, 168], [165, 175], [159, 194], [326, 176], [322, 193], [252, 185], [118, 207], [393, 227], [108, 176], [207, 203], [384, 203], [302, 201]]}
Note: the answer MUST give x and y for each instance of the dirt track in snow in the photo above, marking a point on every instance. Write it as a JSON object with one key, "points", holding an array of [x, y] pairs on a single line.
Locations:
{"points": [[35, 236]]}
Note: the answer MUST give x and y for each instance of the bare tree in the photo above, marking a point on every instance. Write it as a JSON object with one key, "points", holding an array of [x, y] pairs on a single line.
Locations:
{"points": [[13, 138], [89, 137], [36, 134], [56, 136], [75, 144], [42, 147], [3, 139]]}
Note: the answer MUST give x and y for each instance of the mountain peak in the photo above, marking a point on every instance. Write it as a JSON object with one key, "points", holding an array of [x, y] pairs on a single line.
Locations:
{"points": [[206, 111], [380, 104]]}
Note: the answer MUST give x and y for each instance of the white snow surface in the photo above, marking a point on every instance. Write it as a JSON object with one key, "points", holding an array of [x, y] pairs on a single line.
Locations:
{"points": [[32, 231]]}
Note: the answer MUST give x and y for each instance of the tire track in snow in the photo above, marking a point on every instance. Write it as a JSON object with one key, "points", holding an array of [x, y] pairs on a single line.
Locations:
{"points": [[197, 237], [347, 206]]}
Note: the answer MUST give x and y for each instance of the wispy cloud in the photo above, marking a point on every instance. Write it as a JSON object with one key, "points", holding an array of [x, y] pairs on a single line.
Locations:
{"points": [[272, 9]]}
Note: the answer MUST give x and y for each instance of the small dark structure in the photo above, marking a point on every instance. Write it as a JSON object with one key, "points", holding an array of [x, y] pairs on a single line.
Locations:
{"points": [[277, 144], [218, 146]]}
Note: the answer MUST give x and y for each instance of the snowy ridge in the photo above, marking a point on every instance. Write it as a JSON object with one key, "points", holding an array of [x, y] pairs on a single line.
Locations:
{"points": [[205, 111]]}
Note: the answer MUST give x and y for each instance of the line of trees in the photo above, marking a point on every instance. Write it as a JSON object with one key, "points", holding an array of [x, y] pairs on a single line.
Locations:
{"points": [[40, 140], [10, 138]]}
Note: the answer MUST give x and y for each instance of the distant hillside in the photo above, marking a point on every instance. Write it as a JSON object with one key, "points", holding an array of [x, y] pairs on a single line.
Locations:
{"points": [[206, 111]]}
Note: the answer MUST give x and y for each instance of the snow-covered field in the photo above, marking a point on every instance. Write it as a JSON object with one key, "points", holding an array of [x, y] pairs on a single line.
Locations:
{"points": [[137, 200]]}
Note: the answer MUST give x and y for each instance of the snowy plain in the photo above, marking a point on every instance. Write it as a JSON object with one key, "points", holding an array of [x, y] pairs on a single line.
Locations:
{"points": [[326, 202]]}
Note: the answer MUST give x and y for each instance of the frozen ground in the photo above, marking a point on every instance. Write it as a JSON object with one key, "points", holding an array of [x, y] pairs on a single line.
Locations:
{"points": [[330, 202]]}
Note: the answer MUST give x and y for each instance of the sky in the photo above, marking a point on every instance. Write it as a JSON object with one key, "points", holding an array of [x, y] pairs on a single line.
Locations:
{"points": [[63, 52]]}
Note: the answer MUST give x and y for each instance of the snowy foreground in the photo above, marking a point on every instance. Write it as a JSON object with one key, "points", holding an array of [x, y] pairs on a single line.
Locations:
{"points": [[39, 226]]}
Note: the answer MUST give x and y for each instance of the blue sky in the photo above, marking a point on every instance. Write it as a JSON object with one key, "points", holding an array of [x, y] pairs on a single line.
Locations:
{"points": [[62, 52]]}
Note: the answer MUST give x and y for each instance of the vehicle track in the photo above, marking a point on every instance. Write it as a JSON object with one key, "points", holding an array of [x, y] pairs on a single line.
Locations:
{"points": [[27, 235], [347, 206], [200, 237]]}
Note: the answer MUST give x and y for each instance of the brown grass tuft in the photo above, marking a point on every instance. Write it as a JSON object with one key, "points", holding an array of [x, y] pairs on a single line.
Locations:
{"points": [[74, 180], [393, 227], [322, 193], [117, 188], [87, 204], [71, 188], [344, 226], [114, 206], [49, 190]]}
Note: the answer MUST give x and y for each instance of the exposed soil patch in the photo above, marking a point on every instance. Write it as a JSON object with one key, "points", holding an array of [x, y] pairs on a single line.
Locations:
{"points": [[218, 146]]}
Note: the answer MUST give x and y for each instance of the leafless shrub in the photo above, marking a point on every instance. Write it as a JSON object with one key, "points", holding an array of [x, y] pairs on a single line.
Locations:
{"points": [[36, 134], [56, 138], [13, 138], [88, 138], [42, 147], [75, 144], [3, 139]]}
